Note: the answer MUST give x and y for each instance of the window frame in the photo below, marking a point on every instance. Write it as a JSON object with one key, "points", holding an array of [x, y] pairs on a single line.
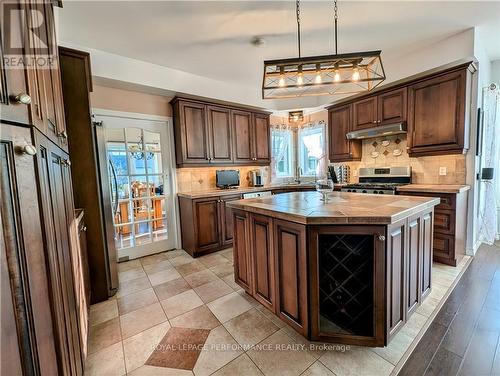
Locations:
{"points": [[289, 153], [301, 148]]}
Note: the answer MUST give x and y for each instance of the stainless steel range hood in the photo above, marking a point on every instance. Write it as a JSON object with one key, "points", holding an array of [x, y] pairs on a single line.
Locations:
{"points": [[383, 130]]}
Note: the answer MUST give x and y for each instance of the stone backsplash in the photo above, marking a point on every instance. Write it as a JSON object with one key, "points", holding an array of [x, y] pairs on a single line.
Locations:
{"points": [[391, 152], [203, 178]]}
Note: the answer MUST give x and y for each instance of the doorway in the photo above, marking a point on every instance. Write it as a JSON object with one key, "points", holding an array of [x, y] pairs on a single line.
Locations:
{"points": [[140, 170]]}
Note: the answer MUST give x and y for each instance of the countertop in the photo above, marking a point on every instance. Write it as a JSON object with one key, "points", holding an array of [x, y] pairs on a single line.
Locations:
{"points": [[227, 192], [434, 188], [342, 208]]}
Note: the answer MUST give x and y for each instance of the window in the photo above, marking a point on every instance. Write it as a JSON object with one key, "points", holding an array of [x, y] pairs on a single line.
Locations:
{"points": [[282, 152], [311, 148]]}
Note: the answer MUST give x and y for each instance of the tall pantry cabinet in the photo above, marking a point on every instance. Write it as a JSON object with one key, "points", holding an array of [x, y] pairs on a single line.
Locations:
{"points": [[41, 317]]}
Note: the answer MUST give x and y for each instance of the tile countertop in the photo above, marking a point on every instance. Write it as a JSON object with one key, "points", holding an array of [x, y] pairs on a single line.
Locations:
{"points": [[342, 208], [434, 188], [235, 191]]}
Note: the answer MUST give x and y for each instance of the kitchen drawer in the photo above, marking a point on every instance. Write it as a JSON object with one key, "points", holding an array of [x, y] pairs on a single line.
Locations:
{"points": [[444, 247], [447, 200], [444, 221]]}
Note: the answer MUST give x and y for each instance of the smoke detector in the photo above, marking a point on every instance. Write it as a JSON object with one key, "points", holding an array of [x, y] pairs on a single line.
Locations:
{"points": [[258, 41]]}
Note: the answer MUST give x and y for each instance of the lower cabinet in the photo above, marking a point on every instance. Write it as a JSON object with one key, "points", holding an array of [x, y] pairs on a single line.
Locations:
{"points": [[242, 251]]}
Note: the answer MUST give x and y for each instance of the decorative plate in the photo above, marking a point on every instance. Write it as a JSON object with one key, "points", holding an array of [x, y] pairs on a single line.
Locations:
{"points": [[374, 154], [386, 143], [397, 152]]}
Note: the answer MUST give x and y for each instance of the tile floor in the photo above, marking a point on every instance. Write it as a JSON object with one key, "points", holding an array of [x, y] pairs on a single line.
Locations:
{"points": [[174, 315]]}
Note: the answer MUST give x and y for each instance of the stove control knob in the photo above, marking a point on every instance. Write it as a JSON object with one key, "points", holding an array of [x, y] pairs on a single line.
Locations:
{"points": [[364, 191], [381, 192]]}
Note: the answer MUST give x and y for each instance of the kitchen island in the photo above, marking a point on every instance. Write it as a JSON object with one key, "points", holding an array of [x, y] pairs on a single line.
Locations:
{"points": [[349, 271]]}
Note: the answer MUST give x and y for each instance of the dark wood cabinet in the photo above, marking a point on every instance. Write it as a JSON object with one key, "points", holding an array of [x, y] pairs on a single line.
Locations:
{"points": [[392, 107], [427, 252], [364, 113], [206, 214], [226, 219], [438, 112], [413, 263], [339, 124], [262, 250], [211, 134], [241, 251]]}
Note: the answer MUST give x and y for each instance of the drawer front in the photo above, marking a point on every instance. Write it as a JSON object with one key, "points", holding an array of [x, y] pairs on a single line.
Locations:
{"points": [[447, 200], [444, 221], [444, 246]]}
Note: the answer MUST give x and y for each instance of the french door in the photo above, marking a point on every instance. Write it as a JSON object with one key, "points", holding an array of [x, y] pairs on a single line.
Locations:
{"points": [[138, 153]]}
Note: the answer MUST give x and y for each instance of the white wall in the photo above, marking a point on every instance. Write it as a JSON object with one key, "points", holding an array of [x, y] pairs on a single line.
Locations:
{"points": [[495, 77], [495, 71]]}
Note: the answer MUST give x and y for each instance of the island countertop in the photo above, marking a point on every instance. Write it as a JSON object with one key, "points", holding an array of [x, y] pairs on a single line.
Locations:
{"points": [[342, 207]]}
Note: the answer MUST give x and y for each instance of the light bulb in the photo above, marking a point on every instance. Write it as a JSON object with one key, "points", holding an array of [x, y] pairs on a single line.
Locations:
{"points": [[300, 80], [355, 74], [336, 76], [281, 82], [318, 78]]}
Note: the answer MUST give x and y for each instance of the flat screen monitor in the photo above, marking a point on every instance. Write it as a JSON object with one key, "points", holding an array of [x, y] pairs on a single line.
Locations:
{"points": [[227, 178]]}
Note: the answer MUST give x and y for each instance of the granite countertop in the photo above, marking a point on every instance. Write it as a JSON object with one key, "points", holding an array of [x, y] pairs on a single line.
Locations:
{"points": [[225, 192], [434, 188], [342, 208]]}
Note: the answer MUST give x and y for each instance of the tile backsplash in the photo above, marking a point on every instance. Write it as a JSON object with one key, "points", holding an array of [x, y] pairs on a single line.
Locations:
{"points": [[391, 151], [203, 178]]}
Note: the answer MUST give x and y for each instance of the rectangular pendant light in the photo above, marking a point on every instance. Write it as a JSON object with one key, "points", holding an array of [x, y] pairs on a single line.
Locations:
{"points": [[339, 74]]}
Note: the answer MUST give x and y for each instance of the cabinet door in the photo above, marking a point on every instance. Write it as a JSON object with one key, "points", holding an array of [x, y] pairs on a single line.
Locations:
{"points": [[27, 326], [219, 128], [206, 213], [392, 107], [427, 242], [340, 148], [226, 219], [261, 139], [193, 133], [261, 240], [364, 113], [291, 274], [13, 82], [242, 136], [436, 118], [396, 277], [241, 251], [413, 263]]}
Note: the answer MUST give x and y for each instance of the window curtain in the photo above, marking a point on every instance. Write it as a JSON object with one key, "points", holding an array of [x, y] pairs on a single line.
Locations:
{"points": [[279, 145], [491, 155], [312, 148]]}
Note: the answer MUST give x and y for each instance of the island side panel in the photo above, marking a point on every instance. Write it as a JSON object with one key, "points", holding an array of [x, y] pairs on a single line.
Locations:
{"points": [[241, 250]]}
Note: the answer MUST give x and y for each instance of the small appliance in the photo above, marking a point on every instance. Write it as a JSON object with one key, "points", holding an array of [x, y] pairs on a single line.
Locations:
{"points": [[256, 178], [380, 180], [257, 194], [225, 179]]}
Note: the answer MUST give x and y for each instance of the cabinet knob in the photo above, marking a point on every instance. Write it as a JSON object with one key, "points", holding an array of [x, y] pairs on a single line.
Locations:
{"points": [[84, 228], [29, 149], [381, 238], [66, 162], [22, 98], [63, 134], [374, 121]]}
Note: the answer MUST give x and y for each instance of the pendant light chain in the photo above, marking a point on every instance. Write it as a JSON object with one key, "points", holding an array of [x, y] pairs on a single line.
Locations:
{"points": [[298, 24], [335, 17]]}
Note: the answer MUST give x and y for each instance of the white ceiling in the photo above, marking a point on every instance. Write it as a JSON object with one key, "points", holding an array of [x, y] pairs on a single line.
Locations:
{"points": [[212, 38]]}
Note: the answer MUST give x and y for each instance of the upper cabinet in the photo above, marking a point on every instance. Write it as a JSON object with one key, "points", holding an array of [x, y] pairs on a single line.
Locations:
{"points": [[436, 108], [212, 134], [438, 114]]}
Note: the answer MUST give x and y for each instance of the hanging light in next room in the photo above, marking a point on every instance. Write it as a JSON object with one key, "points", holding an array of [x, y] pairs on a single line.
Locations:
{"points": [[348, 73]]}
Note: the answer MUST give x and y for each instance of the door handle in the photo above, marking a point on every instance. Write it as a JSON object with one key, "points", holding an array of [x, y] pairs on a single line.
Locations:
{"points": [[29, 149], [22, 98]]}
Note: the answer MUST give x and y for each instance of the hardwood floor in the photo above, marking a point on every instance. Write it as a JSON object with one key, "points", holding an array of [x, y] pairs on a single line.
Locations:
{"points": [[464, 338]]}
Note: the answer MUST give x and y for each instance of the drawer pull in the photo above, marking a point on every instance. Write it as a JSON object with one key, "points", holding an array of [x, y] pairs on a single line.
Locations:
{"points": [[22, 98]]}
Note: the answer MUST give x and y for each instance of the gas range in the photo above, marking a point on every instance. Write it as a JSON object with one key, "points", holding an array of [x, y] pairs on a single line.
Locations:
{"points": [[380, 180]]}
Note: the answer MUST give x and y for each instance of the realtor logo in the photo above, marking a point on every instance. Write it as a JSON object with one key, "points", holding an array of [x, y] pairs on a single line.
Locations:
{"points": [[27, 40]]}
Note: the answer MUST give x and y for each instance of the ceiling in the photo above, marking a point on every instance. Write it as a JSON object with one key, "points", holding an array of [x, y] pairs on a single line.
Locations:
{"points": [[212, 38]]}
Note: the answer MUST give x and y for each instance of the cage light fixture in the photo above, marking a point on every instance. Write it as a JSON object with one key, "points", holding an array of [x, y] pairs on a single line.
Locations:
{"points": [[337, 74]]}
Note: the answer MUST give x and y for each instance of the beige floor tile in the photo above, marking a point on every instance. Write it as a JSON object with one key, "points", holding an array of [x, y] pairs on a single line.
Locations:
{"points": [[213, 260], [229, 279], [103, 335], [159, 371], [250, 327], [316, 348], [242, 365], [271, 316], [199, 318], [396, 348], [438, 291], [227, 253], [223, 270], [134, 285], [163, 276], [127, 265], [103, 311], [181, 303], [220, 348], [180, 260], [175, 253], [108, 361], [229, 306], [138, 348], [171, 288], [248, 298], [136, 300], [442, 278], [200, 278], [414, 324], [141, 319], [158, 266], [283, 359], [131, 274], [356, 361], [428, 306], [153, 259], [318, 369], [213, 290], [190, 268]]}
